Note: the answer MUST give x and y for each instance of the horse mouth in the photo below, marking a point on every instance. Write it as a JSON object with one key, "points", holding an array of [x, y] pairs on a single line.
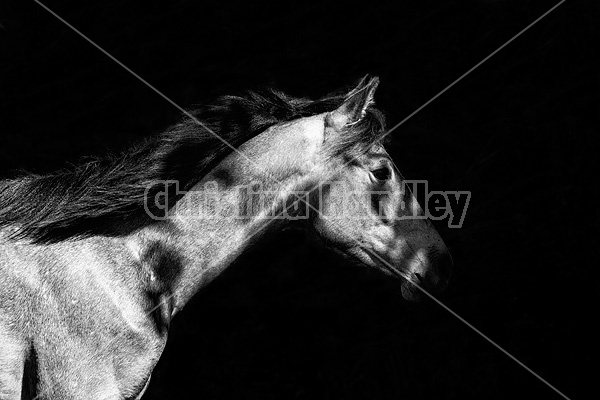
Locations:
{"points": [[411, 282], [411, 290]]}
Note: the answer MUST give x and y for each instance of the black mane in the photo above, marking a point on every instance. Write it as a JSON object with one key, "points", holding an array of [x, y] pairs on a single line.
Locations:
{"points": [[107, 196]]}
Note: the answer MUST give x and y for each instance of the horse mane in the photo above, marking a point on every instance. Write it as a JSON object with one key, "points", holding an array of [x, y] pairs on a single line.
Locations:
{"points": [[107, 196]]}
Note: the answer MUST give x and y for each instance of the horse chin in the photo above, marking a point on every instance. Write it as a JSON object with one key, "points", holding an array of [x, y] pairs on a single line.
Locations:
{"points": [[410, 292]]}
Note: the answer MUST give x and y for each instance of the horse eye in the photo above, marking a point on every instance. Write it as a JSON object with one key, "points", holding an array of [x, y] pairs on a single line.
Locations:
{"points": [[382, 174]]}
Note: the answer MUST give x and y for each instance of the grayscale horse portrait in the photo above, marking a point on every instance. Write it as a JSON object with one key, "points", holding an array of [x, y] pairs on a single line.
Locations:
{"points": [[96, 260]]}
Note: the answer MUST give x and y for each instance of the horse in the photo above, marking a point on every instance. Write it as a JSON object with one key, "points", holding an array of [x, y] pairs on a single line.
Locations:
{"points": [[97, 259]]}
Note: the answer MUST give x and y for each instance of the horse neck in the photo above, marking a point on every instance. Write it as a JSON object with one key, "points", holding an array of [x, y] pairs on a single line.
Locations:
{"points": [[281, 160], [192, 248]]}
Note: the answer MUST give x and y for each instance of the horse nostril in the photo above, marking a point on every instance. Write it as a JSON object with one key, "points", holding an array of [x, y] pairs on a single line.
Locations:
{"points": [[420, 278]]}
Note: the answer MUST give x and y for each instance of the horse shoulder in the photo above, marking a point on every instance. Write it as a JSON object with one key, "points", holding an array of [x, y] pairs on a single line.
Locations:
{"points": [[88, 318], [12, 360]]}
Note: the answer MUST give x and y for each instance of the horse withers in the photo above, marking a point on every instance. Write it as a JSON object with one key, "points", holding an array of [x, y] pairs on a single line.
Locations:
{"points": [[95, 261]]}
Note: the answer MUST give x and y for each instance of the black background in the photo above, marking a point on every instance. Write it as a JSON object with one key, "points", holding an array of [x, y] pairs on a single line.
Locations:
{"points": [[291, 319]]}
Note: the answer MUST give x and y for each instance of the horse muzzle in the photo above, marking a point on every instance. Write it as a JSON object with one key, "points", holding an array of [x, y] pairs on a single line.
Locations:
{"points": [[427, 272]]}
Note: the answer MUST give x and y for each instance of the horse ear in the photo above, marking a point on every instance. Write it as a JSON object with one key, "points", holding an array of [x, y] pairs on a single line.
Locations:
{"points": [[355, 104]]}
